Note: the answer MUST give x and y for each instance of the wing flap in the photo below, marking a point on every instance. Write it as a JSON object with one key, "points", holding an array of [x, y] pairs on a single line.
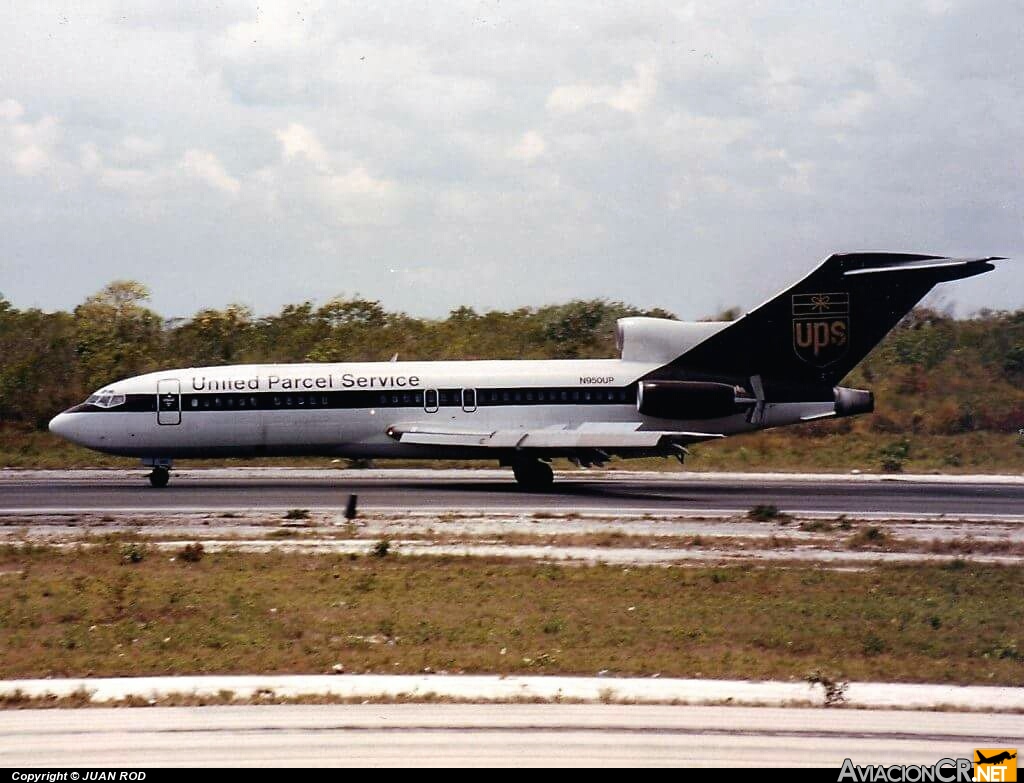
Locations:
{"points": [[595, 435]]}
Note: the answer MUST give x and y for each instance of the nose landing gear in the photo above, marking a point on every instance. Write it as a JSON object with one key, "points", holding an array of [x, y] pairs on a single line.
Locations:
{"points": [[161, 472]]}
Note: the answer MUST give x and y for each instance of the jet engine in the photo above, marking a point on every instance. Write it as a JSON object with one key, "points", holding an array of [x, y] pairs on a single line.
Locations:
{"points": [[690, 399]]}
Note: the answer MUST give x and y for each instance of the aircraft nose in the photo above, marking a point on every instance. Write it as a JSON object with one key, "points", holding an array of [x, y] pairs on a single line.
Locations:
{"points": [[59, 424], [63, 424]]}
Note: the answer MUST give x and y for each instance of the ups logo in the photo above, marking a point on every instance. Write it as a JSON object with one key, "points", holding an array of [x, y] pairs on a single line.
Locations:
{"points": [[821, 327]]}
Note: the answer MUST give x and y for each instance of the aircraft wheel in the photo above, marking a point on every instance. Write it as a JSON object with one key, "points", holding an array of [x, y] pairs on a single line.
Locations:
{"points": [[533, 475], [159, 477]]}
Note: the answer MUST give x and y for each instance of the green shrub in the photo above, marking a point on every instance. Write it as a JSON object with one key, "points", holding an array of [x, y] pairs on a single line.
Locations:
{"points": [[133, 553], [766, 512], [192, 553]]}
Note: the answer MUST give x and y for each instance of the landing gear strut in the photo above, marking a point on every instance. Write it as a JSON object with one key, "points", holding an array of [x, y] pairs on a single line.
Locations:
{"points": [[532, 474], [159, 477]]}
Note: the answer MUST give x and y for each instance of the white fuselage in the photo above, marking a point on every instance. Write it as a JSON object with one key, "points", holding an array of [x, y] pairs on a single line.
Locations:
{"points": [[347, 409]]}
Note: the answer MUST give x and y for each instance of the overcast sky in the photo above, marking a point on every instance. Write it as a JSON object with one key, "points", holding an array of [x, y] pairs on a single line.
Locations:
{"points": [[494, 154]]}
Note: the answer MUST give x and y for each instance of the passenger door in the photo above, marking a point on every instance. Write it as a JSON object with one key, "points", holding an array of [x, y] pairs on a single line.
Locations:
{"points": [[168, 401]]}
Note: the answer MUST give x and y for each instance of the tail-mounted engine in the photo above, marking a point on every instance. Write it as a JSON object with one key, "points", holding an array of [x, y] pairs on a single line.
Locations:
{"points": [[690, 399], [693, 400]]}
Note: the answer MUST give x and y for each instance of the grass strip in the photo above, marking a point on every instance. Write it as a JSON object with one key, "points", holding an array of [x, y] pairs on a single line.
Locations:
{"points": [[124, 609]]}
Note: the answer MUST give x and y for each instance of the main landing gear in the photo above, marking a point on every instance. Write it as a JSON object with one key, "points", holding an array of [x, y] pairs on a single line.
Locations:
{"points": [[532, 474], [161, 472]]}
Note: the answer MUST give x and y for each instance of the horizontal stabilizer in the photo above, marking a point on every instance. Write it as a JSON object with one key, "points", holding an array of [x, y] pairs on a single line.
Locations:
{"points": [[936, 263]]}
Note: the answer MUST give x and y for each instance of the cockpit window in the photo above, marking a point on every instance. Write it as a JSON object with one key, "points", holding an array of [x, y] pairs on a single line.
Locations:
{"points": [[106, 399]]}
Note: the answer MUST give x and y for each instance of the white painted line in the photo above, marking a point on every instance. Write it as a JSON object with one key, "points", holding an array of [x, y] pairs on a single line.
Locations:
{"points": [[575, 555], [557, 512], [497, 688], [490, 474]]}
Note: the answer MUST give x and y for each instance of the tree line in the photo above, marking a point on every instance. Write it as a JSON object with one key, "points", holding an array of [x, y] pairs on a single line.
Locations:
{"points": [[938, 374], [49, 361]]}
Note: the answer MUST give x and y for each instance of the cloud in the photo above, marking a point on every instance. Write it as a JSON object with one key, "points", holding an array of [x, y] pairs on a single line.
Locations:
{"points": [[206, 167], [32, 147], [136, 147], [10, 109], [357, 198], [894, 83], [630, 95], [530, 146], [298, 141], [499, 146], [128, 181], [849, 110], [342, 195]]}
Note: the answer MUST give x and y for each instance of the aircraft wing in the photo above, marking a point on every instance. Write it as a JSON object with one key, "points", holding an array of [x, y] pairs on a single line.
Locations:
{"points": [[604, 436]]}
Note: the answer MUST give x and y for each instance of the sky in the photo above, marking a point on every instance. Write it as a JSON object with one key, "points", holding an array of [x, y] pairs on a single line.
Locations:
{"points": [[496, 154]]}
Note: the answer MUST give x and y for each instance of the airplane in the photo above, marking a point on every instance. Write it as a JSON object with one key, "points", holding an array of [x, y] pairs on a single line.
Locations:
{"points": [[675, 383], [996, 759]]}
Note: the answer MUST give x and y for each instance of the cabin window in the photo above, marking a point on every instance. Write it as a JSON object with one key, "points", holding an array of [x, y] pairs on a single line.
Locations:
{"points": [[195, 402]]}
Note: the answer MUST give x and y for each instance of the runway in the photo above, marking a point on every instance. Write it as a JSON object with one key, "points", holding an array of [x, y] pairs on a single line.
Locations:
{"points": [[378, 490], [494, 735]]}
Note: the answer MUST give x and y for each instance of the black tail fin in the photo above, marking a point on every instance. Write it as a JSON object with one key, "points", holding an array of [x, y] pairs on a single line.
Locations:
{"points": [[814, 333]]}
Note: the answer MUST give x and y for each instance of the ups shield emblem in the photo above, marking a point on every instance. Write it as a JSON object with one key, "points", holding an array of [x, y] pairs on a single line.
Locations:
{"points": [[821, 327]]}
